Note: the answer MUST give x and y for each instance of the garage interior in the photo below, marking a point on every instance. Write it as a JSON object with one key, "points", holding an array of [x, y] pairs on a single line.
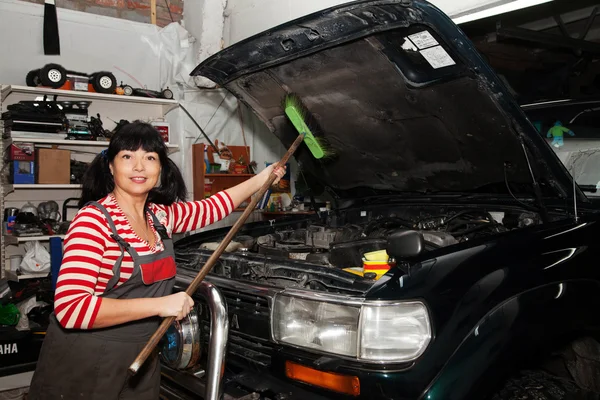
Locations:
{"points": [[116, 61], [546, 52]]}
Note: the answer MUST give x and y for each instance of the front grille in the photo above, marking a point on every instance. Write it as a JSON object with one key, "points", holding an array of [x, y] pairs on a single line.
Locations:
{"points": [[249, 328]]}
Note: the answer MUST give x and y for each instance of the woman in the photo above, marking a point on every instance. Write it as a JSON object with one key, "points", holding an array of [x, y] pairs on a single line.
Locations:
{"points": [[118, 269]]}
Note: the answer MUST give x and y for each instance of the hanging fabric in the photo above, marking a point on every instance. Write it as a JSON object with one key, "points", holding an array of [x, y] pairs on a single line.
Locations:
{"points": [[51, 39]]}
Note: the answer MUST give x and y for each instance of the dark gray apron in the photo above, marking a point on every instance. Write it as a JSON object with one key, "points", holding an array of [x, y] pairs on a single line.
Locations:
{"points": [[92, 364]]}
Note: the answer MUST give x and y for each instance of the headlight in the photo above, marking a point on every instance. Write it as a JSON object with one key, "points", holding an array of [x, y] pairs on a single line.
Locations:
{"points": [[369, 331], [322, 326], [398, 332]]}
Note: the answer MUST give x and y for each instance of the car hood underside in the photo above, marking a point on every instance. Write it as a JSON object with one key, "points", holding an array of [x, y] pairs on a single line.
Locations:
{"points": [[391, 136], [400, 99]]}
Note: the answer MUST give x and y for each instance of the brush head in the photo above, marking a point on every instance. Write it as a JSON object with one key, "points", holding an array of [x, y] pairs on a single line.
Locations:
{"points": [[300, 117]]}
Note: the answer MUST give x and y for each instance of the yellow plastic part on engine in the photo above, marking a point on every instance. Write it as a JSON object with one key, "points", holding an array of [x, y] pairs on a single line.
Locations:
{"points": [[374, 261], [379, 255]]}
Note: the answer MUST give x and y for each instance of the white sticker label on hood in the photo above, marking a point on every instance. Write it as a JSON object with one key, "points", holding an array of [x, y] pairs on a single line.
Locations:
{"points": [[423, 39], [408, 45], [437, 57]]}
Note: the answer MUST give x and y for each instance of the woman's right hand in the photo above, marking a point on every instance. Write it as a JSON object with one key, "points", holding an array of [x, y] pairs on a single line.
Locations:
{"points": [[177, 305]]}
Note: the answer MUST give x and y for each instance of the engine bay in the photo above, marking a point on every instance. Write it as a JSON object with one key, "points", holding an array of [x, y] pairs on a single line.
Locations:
{"points": [[339, 240]]}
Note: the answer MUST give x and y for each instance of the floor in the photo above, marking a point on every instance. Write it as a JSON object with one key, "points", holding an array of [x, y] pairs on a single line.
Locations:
{"points": [[15, 387]]}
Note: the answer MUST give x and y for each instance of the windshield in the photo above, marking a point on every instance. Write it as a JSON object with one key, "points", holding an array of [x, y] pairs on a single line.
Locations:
{"points": [[572, 129]]}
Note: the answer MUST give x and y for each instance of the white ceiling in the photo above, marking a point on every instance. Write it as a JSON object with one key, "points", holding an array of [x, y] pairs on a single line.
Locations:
{"points": [[244, 18]]}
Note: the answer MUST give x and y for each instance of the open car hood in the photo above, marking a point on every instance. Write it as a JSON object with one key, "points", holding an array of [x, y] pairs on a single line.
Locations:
{"points": [[401, 97]]}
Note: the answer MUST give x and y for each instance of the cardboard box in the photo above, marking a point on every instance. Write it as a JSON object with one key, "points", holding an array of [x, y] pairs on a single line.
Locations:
{"points": [[21, 152], [22, 172], [53, 166]]}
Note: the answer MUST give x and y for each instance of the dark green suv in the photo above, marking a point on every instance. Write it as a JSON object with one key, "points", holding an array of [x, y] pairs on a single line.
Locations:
{"points": [[492, 288]]}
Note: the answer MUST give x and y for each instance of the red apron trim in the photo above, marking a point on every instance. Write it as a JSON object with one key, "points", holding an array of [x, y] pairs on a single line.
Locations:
{"points": [[159, 270]]}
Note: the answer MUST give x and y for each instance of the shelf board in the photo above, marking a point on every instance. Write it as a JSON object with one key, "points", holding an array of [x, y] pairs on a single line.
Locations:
{"points": [[228, 175], [65, 142], [13, 276], [20, 186], [6, 91], [24, 139], [14, 240]]}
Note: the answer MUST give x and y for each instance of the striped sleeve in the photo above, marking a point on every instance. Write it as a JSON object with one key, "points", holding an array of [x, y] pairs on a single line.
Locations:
{"points": [[192, 215], [75, 304]]}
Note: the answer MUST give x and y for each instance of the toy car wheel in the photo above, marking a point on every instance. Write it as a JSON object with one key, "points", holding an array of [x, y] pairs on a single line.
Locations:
{"points": [[83, 105], [53, 75], [33, 78], [127, 90], [167, 94], [104, 82]]}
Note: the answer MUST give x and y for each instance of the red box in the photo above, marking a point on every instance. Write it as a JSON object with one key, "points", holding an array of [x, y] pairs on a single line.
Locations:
{"points": [[21, 152], [162, 128]]}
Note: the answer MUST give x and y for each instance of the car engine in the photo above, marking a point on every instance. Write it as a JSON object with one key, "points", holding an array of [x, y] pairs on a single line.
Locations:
{"points": [[296, 254]]}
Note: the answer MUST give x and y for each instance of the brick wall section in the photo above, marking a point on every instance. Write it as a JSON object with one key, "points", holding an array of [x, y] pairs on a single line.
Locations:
{"points": [[132, 10]]}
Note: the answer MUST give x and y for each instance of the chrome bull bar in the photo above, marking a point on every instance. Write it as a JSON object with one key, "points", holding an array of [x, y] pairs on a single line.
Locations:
{"points": [[217, 342]]}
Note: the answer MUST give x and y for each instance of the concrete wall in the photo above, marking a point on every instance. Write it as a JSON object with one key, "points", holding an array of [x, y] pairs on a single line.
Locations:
{"points": [[141, 50], [204, 19], [244, 18], [88, 43], [132, 10]]}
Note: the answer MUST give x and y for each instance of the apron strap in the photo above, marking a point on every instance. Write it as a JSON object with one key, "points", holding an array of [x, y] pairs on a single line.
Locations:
{"points": [[164, 235], [160, 228], [123, 245]]}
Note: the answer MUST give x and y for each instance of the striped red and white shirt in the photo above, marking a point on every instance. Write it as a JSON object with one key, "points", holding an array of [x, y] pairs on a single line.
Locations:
{"points": [[90, 252]]}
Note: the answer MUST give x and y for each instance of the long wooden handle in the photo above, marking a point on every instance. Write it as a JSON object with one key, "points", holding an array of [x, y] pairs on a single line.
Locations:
{"points": [[153, 341]]}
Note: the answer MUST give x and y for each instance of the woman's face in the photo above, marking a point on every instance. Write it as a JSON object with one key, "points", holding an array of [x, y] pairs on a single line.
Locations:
{"points": [[135, 172]]}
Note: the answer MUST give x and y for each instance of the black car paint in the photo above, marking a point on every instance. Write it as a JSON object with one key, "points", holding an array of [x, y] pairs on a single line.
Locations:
{"points": [[497, 301], [493, 302]]}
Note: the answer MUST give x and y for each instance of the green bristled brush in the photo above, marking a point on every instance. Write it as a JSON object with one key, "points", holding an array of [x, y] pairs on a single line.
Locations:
{"points": [[298, 116]]}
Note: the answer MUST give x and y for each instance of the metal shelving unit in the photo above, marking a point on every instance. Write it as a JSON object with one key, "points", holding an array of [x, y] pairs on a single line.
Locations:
{"points": [[112, 107]]}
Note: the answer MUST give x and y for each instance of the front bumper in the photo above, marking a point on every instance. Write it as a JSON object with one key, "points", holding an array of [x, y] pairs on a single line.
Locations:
{"points": [[237, 316], [177, 385], [181, 385]]}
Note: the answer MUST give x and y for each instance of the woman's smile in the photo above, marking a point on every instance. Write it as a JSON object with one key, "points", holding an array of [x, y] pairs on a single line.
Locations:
{"points": [[138, 179]]}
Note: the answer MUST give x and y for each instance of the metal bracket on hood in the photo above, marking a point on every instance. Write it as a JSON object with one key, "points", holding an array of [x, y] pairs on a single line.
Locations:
{"points": [[536, 186]]}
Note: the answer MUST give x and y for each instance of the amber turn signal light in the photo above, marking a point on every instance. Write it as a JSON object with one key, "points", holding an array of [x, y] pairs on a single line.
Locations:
{"points": [[337, 382]]}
